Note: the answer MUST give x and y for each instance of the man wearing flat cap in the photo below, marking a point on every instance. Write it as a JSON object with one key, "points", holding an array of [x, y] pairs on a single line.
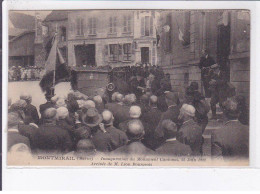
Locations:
{"points": [[135, 133], [171, 146], [172, 113], [232, 140], [30, 111], [190, 133]]}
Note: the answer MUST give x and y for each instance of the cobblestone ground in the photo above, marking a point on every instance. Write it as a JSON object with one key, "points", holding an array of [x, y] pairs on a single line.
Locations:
{"points": [[32, 87]]}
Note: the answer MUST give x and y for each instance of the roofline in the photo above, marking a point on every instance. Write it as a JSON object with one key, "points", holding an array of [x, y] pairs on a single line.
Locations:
{"points": [[23, 33]]}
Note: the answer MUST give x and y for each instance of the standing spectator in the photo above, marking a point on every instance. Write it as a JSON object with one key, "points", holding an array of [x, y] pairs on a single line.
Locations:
{"points": [[171, 146], [135, 133], [206, 61], [30, 111], [172, 113], [48, 137], [48, 104], [232, 140], [190, 132], [13, 135], [134, 114]]}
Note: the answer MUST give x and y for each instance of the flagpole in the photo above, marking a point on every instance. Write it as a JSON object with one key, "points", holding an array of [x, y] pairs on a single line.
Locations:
{"points": [[54, 73]]}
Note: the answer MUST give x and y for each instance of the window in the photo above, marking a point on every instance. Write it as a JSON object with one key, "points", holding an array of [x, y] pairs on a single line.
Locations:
{"points": [[187, 29], [113, 52], [127, 52], [92, 25], [80, 23], [112, 25], [147, 26], [127, 23], [62, 33]]}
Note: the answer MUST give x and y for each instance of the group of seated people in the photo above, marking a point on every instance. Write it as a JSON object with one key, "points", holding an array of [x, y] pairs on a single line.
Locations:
{"points": [[80, 125]]}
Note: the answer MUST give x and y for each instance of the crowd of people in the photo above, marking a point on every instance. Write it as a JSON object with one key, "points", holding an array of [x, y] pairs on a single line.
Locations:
{"points": [[126, 124], [18, 73]]}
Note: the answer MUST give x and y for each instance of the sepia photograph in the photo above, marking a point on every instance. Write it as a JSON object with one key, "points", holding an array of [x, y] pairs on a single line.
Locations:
{"points": [[128, 87]]}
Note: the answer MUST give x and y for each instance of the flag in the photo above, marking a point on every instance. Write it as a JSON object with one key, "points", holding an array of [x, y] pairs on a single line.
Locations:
{"points": [[55, 64], [50, 64]]}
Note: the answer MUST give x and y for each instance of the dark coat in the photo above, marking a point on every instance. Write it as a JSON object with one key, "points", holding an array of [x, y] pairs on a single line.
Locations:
{"points": [[133, 148], [152, 119], [31, 114], [172, 114], [173, 147], [120, 112], [48, 137], [45, 106], [206, 62], [14, 137], [232, 140], [109, 141], [190, 133]]}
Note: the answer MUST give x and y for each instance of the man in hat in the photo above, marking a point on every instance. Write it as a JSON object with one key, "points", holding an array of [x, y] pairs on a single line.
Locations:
{"points": [[171, 146], [135, 133], [206, 61], [232, 140], [30, 111], [48, 137], [190, 133], [13, 135], [219, 89], [108, 138], [172, 113]]}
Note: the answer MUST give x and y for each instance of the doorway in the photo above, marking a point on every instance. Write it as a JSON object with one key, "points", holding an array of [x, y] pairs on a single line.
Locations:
{"points": [[144, 55], [85, 55], [223, 48]]}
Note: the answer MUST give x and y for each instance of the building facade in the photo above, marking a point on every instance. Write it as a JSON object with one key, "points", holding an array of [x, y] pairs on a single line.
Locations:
{"points": [[118, 38], [225, 34], [55, 22]]}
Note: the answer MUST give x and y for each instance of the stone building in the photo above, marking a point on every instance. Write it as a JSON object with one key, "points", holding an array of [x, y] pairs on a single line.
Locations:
{"points": [[111, 37], [56, 21], [225, 34]]}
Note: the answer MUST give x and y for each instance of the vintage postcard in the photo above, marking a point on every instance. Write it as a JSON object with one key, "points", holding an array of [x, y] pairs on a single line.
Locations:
{"points": [[128, 87]]}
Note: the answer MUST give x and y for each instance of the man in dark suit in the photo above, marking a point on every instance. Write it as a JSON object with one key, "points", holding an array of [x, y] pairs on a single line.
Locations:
{"points": [[171, 146], [119, 110], [48, 104], [206, 61], [172, 113], [30, 111], [48, 137], [190, 132], [135, 133], [219, 89], [108, 138], [13, 135], [152, 118], [232, 140]]}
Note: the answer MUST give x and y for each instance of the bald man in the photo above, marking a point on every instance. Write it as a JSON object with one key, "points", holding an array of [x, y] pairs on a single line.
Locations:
{"points": [[108, 138], [135, 133]]}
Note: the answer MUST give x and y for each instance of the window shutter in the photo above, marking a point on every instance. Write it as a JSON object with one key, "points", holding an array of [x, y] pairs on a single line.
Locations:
{"points": [[129, 23], [142, 26], [120, 52], [94, 25], [125, 24], [110, 24], [82, 26], [89, 25], [151, 25], [115, 23]]}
